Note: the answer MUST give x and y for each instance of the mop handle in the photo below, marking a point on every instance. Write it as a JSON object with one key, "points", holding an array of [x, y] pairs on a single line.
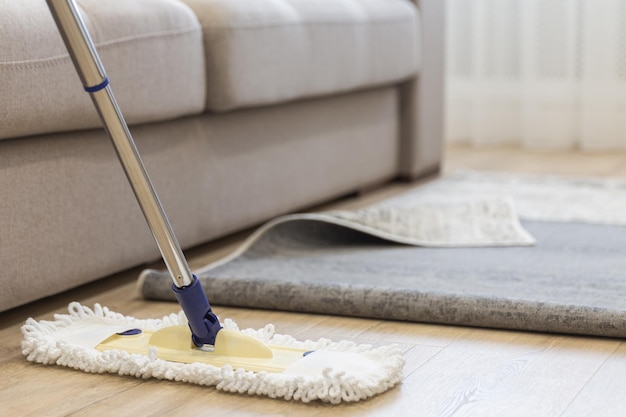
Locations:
{"points": [[95, 82]]}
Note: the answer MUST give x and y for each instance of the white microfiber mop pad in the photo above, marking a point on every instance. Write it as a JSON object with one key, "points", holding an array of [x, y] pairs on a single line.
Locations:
{"points": [[338, 371]]}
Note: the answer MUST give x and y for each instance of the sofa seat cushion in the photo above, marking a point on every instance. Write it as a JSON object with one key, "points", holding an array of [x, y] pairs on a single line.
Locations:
{"points": [[151, 50], [269, 51]]}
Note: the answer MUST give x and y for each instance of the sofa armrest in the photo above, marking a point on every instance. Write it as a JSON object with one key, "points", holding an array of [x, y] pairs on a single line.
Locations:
{"points": [[421, 99]]}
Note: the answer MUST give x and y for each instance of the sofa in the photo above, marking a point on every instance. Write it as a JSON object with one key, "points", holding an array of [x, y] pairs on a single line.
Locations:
{"points": [[242, 110]]}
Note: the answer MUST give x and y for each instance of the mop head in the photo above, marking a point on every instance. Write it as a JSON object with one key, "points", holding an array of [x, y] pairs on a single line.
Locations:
{"points": [[334, 372]]}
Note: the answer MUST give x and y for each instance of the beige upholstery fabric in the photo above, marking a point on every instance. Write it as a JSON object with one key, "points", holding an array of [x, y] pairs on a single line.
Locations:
{"points": [[261, 52], [68, 216], [421, 99], [151, 49]]}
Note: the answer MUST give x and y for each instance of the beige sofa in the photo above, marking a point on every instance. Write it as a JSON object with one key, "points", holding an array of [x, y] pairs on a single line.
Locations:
{"points": [[242, 110]]}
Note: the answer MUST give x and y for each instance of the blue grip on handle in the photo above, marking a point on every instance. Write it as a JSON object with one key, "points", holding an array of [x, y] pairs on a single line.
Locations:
{"points": [[98, 87], [203, 323]]}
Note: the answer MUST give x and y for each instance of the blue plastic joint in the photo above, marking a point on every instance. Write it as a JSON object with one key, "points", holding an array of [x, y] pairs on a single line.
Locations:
{"points": [[98, 87], [203, 323]]}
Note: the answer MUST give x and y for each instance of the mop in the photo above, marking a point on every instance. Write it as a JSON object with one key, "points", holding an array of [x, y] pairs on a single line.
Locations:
{"points": [[192, 346]]}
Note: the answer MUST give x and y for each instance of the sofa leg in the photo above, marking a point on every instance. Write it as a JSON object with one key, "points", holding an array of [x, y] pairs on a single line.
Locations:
{"points": [[427, 174]]}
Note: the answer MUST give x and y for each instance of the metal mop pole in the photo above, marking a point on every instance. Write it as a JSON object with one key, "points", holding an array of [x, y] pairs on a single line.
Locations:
{"points": [[204, 324]]}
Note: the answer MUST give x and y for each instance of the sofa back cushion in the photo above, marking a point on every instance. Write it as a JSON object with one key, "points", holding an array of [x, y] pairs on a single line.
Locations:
{"points": [[151, 49], [262, 52]]}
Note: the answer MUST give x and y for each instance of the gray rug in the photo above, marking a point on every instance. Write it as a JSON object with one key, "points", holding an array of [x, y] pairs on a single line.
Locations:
{"points": [[573, 280]]}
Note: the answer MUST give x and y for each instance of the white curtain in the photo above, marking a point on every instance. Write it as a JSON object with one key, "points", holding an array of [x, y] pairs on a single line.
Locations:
{"points": [[541, 73]]}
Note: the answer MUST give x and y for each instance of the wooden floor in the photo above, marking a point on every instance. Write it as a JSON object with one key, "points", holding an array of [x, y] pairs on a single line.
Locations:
{"points": [[450, 371]]}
